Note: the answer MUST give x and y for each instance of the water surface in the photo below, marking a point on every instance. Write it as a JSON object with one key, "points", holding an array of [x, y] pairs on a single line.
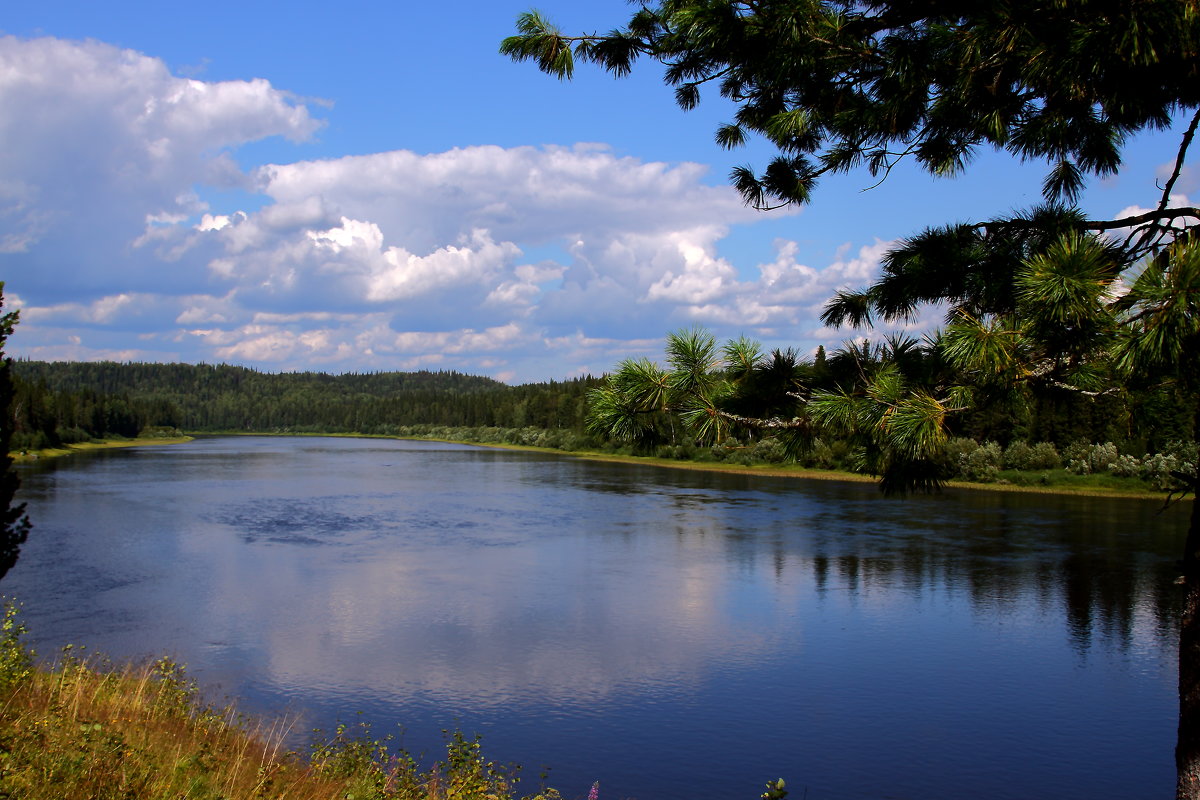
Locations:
{"points": [[671, 634]]}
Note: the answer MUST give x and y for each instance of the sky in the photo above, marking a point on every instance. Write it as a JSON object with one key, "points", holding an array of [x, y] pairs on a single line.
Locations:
{"points": [[369, 186]]}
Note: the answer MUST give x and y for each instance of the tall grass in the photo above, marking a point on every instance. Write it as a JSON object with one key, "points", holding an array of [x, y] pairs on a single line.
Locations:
{"points": [[83, 729]]}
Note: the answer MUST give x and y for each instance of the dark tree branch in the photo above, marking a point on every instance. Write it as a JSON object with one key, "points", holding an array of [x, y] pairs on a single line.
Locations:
{"points": [[1183, 148], [1086, 393], [890, 165], [774, 423], [1156, 216], [707, 78]]}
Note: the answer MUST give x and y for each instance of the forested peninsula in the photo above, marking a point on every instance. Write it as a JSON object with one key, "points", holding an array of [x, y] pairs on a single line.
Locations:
{"points": [[1132, 442]]}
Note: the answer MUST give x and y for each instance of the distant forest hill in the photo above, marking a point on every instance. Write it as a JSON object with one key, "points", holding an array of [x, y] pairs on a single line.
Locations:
{"points": [[63, 402]]}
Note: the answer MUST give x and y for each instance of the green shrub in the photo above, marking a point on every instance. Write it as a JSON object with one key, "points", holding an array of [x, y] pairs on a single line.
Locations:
{"points": [[726, 450], [1126, 466], [958, 447], [1017, 454], [30, 440], [1176, 457], [981, 464], [1044, 456], [153, 432], [820, 456], [16, 662], [769, 451], [744, 457], [840, 450], [1029, 458], [1084, 458], [72, 435]]}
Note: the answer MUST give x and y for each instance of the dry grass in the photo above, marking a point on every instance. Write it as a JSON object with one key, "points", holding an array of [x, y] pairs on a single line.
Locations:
{"points": [[85, 731], [81, 732]]}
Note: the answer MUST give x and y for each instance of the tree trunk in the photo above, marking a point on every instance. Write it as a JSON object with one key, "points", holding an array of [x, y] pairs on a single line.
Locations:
{"points": [[1187, 748], [1187, 745]]}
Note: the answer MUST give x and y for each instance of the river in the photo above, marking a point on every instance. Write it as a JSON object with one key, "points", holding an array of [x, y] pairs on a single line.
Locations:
{"points": [[671, 634]]}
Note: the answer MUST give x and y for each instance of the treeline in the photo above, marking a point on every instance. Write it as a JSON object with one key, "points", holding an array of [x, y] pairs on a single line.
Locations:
{"points": [[60, 403], [64, 402]]}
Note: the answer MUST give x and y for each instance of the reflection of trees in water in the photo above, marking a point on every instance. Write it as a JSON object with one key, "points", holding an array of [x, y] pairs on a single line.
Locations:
{"points": [[1103, 566], [1102, 595], [1107, 575]]}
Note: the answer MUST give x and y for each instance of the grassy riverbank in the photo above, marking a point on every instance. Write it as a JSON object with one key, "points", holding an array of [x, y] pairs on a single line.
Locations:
{"points": [[1055, 481], [88, 731], [103, 444], [1058, 481], [1041, 482]]}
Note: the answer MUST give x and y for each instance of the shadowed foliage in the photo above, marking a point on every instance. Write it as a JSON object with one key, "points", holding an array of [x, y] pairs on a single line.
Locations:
{"points": [[14, 524]]}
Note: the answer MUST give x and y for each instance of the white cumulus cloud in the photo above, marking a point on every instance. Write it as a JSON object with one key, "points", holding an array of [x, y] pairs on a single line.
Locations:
{"points": [[100, 149], [523, 262]]}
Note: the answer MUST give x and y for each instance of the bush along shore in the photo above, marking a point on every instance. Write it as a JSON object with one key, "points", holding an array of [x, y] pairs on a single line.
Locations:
{"points": [[82, 729], [1082, 466], [1079, 467]]}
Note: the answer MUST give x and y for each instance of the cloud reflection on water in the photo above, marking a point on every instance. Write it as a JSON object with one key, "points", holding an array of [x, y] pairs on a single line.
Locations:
{"points": [[595, 607]]}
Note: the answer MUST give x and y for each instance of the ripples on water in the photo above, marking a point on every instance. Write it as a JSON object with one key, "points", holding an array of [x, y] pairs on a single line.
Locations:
{"points": [[672, 634]]}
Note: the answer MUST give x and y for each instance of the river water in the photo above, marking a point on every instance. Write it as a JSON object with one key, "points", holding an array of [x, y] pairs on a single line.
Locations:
{"points": [[671, 634]]}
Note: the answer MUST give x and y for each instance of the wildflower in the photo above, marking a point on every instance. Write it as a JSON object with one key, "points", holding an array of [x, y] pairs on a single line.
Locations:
{"points": [[594, 794]]}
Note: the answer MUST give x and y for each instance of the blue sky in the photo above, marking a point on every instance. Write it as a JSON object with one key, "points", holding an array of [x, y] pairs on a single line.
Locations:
{"points": [[371, 186]]}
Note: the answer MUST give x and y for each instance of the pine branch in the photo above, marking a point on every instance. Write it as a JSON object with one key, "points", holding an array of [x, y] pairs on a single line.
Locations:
{"points": [[773, 423], [1156, 216]]}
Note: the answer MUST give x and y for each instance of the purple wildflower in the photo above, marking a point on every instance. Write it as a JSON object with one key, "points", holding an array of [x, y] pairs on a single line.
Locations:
{"points": [[594, 794]]}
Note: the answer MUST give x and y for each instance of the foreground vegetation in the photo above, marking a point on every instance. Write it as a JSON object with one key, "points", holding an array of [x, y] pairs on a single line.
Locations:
{"points": [[85, 730]]}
